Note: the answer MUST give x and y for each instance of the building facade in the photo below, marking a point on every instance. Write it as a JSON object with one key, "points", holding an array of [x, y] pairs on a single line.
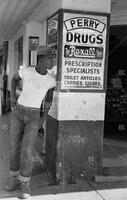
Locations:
{"points": [[78, 128]]}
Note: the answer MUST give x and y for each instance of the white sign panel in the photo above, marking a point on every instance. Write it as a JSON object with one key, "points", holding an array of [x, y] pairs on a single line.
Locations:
{"points": [[83, 51]]}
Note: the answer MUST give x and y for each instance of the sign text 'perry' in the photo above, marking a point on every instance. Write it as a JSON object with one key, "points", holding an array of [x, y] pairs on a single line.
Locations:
{"points": [[83, 22]]}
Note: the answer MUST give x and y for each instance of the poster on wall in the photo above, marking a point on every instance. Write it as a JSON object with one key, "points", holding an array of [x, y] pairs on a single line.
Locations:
{"points": [[52, 39], [83, 51], [52, 33]]}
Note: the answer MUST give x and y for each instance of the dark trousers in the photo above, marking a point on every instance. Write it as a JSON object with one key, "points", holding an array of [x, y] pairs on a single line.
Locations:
{"points": [[23, 133]]}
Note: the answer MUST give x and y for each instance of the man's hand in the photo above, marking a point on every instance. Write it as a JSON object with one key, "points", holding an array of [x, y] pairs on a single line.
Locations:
{"points": [[42, 121], [13, 102]]}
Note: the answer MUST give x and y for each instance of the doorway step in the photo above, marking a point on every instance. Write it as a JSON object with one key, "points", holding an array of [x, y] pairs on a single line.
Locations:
{"points": [[114, 161]]}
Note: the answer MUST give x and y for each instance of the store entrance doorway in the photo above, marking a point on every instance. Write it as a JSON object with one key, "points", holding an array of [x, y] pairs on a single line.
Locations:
{"points": [[115, 125]]}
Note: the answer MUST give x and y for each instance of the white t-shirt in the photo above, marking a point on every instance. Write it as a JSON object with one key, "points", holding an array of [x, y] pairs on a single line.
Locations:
{"points": [[35, 86]]}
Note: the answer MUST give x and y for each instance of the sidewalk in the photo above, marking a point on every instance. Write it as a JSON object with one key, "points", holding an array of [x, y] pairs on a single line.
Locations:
{"points": [[120, 194], [114, 163]]}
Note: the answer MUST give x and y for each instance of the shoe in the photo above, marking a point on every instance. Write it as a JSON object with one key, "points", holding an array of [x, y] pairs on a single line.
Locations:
{"points": [[12, 184], [25, 191]]}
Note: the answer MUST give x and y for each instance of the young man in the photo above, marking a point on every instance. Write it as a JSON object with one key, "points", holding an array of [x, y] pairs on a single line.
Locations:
{"points": [[25, 117]]}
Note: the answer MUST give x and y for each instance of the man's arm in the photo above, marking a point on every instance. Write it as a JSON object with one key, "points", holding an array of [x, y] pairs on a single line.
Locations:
{"points": [[48, 100], [14, 84], [47, 103], [45, 106]]}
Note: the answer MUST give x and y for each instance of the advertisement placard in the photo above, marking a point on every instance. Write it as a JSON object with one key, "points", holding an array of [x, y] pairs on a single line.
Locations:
{"points": [[83, 51], [52, 38], [52, 31]]}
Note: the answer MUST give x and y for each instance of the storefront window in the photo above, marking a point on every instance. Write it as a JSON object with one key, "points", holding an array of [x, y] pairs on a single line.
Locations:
{"points": [[116, 96]]}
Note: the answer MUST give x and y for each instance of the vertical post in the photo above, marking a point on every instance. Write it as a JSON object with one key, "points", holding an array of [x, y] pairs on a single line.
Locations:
{"points": [[76, 119], [5, 57]]}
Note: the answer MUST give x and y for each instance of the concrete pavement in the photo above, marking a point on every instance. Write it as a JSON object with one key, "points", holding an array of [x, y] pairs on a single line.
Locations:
{"points": [[107, 194]]}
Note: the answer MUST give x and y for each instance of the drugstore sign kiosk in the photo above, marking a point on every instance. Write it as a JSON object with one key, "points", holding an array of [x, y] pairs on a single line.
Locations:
{"points": [[76, 118]]}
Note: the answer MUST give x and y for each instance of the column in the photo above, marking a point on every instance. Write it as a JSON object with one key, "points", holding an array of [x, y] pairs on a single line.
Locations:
{"points": [[78, 32]]}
